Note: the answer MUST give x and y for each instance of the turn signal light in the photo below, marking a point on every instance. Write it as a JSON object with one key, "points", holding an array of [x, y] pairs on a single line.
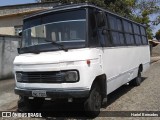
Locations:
{"points": [[88, 62]]}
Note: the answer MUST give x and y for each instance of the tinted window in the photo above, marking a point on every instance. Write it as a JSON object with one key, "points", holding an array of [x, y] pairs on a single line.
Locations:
{"points": [[132, 39], [125, 23], [128, 33], [143, 31], [130, 28], [54, 17], [107, 36], [93, 38], [121, 38], [107, 26], [115, 37], [144, 40], [138, 39], [127, 26], [128, 39], [108, 40], [136, 29], [73, 15], [112, 21], [119, 24]]}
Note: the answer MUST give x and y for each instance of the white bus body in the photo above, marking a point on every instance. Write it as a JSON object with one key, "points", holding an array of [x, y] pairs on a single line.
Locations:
{"points": [[116, 65]]}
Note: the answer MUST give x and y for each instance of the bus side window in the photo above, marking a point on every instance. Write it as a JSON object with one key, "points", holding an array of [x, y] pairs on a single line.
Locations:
{"points": [[114, 32], [144, 40], [101, 27], [140, 39], [131, 33], [115, 38], [137, 34], [121, 33], [108, 33], [128, 32], [143, 34]]}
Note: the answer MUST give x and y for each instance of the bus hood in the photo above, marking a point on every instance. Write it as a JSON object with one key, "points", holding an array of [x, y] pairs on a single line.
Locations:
{"points": [[56, 57]]}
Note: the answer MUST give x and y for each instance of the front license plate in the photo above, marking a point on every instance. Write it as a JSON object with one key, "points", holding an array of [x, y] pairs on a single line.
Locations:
{"points": [[39, 93]]}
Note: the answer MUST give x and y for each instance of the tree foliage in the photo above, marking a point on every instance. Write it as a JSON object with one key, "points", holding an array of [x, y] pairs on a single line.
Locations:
{"points": [[142, 10], [121, 7], [137, 10]]}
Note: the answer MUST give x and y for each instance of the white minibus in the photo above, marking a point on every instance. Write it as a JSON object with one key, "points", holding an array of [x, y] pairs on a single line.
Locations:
{"points": [[78, 52]]}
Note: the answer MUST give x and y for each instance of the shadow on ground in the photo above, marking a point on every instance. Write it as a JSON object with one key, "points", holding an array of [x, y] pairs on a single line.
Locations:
{"points": [[120, 92]]}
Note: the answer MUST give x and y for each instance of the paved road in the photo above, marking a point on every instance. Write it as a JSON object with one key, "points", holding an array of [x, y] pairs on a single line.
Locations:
{"points": [[142, 98]]}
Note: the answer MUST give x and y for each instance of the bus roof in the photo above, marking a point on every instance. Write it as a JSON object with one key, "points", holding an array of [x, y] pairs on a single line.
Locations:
{"points": [[74, 6]]}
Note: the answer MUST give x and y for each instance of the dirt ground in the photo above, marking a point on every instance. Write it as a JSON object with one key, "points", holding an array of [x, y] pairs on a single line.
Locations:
{"points": [[156, 51]]}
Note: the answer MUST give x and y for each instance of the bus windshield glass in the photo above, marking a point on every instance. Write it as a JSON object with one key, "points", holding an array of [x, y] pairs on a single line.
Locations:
{"points": [[65, 28]]}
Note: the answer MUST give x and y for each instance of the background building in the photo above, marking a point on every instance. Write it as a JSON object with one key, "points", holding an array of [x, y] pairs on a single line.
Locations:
{"points": [[11, 22], [11, 17]]}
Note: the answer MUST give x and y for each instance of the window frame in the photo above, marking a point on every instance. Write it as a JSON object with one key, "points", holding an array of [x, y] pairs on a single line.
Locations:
{"points": [[110, 42], [116, 30]]}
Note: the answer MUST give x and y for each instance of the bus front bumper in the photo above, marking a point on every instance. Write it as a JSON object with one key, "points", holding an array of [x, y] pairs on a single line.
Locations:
{"points": [[54, 93]]}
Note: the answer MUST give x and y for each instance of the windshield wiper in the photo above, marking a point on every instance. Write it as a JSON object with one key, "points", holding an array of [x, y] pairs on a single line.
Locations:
{"points": [[61, 47]]}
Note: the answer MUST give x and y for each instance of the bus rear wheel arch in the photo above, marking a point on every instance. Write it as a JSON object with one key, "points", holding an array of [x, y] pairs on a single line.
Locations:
{"points": [[137, 81]]}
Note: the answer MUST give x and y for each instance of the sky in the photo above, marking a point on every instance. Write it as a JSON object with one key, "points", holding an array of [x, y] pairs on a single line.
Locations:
{"points": [[13, 2]]}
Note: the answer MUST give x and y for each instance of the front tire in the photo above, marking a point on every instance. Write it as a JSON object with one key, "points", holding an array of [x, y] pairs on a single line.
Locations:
{"points": [[93, 103]]}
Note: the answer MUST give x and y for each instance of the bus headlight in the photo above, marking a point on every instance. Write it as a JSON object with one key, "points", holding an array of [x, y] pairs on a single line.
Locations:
{"points": [[71, 76], [19, 77]]}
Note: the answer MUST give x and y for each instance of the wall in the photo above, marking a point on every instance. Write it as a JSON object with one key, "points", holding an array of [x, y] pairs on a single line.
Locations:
{"points": [[12, 16], [7, 24], [25, 8], [8, 51]]}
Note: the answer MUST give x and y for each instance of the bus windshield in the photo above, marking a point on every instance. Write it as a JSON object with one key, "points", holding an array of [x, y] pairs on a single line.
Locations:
{"points": [[67, 29]]}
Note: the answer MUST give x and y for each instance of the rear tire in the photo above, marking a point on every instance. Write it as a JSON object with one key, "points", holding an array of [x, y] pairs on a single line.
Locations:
{"points": [[137, 81], [104, 102], [93, 103]]}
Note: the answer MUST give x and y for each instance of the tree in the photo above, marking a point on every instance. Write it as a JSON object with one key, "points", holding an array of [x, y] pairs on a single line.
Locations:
{"points": [[158, 35], [96, 2], [137, 10], [121, 7], [142, 10]]}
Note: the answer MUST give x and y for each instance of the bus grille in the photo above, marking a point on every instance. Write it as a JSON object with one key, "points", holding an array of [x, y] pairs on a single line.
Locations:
{"points": [[41, 77]]}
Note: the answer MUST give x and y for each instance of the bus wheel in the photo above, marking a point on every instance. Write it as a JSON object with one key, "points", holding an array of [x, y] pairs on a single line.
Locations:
{"points": [[93, 103], [137, 81], [21, 104]]}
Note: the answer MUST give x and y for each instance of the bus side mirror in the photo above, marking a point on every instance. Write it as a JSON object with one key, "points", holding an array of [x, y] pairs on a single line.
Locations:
{"points": [[100, 16]]}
